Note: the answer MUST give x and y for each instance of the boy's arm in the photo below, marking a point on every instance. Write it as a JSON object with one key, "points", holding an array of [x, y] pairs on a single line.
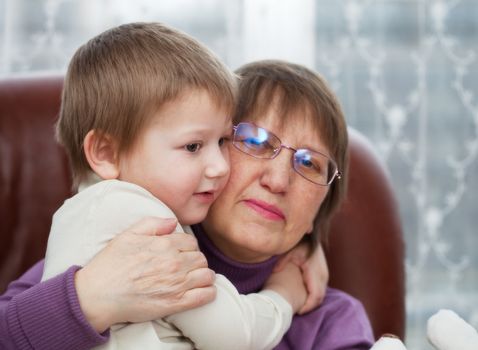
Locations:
{"points": [[233, 326], [235, 321], [85, 224], [314, 269], [289, 284]]}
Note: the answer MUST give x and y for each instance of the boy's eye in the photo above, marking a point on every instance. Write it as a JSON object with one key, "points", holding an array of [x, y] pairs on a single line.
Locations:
{"points": [[193, 147], [223, 140]]}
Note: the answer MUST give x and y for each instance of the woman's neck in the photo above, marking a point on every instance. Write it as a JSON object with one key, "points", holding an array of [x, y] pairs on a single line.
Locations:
{"points": [[247, 278]]}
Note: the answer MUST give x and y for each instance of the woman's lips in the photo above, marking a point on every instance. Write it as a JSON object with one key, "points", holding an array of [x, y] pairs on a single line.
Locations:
{"points": [[266, 210]]}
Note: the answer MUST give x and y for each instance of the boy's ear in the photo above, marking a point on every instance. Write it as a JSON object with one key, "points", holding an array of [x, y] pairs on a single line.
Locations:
{"points": [[101, 152]]}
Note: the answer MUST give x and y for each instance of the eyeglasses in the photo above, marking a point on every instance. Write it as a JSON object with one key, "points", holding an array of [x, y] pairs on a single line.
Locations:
{"points": [[261, 143]]}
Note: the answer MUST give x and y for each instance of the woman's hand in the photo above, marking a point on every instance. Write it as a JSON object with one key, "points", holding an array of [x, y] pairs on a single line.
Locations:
{"points": [[144, 273], [315, 273]]}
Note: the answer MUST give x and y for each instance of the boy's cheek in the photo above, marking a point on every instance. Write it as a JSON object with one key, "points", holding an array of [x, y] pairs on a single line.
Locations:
{"points": [[224, 181]]}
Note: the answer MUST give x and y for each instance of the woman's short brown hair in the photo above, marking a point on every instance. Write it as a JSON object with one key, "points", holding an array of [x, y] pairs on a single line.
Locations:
{"points": [[120, 78], [295, 88]]}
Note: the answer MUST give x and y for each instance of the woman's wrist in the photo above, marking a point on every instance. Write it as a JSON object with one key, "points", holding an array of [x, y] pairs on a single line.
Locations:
{"points": [[94, 311]]}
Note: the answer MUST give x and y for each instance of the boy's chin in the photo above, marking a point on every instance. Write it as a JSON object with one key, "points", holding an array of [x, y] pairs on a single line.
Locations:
{"points": [[193, 218]]}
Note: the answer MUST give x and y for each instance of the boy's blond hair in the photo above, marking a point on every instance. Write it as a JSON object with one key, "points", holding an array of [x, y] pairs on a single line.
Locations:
{"points": [[119, 79]]}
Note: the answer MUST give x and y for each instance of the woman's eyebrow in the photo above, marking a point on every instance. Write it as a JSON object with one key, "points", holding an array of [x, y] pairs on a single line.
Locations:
{"points": [[313, 147]]}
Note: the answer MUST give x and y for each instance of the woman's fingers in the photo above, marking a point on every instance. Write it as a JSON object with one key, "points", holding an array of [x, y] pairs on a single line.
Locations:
{"points": [[193, 260], [153, 226], [199, 290], [193, 298], [182, 242], [144, 274], [200, 278]]}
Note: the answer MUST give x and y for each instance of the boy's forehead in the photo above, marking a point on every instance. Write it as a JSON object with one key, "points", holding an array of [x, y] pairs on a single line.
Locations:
{"points": [[219, 100], [193, 108], [190, 96]]}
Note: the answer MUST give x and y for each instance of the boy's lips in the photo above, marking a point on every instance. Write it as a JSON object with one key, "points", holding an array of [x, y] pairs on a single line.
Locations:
{"points": [[269, 211], [205, 197]]}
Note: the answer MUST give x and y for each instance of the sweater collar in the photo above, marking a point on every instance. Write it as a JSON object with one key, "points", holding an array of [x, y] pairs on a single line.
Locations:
{"points": [[248, 278]]}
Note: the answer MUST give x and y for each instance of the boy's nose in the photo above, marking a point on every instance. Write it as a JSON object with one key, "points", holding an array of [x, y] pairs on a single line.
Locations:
{"points": [[218, 166]]}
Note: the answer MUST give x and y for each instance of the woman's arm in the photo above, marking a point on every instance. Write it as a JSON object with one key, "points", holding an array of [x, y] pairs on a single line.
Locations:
{"points": [[341, 322], [48, 315], [45, 315]]}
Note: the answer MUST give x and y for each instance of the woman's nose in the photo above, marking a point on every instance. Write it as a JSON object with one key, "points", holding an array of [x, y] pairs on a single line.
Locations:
{"points": [[218, 164], [277, 172]]}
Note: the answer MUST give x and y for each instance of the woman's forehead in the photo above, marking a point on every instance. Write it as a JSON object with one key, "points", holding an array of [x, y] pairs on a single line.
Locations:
{"points": [[294, 129], [284, 110]]}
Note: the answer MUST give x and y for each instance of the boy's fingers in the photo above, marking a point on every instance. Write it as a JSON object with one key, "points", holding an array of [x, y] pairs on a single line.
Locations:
{"points": [[315, 290], [313, 300], [281, 263]]}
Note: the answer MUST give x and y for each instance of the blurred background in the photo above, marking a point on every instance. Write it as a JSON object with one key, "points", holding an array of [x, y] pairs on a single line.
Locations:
{"points": [[406, 72]]}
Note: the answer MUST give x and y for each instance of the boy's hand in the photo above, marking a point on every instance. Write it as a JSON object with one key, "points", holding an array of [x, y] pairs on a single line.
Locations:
{"points": [[315, 273], [289, 284]]}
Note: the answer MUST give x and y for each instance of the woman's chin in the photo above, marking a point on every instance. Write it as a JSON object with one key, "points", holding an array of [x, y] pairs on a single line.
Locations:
{"points": [[256, 247]]}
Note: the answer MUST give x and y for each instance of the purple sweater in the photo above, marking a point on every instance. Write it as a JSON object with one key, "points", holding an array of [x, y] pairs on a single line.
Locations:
{"points": [[47, 315], [340, 323]]}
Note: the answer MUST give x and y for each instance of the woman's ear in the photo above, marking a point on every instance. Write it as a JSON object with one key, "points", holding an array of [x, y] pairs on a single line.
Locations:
{"points": [[101, 152]]}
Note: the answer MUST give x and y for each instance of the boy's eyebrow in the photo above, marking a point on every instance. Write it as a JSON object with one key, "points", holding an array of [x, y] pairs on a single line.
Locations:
{"points": [[202, 131]]}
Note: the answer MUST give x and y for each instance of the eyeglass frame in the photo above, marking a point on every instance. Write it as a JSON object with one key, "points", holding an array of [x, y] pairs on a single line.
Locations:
{"points": [[337, 174]]}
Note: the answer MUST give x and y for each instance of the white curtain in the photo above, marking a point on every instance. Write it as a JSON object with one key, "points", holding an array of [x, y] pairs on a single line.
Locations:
{"points": [[406, 72]]}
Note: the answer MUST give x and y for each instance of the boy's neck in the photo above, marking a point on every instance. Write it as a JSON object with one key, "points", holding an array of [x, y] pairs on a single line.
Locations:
{"points": [[89, 180]]}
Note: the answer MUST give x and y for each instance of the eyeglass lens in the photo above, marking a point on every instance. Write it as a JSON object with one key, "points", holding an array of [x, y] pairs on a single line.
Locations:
{"points": [[261, 143]]}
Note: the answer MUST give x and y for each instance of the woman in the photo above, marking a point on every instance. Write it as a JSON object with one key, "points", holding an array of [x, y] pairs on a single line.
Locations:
{"points": [[288, 150]]}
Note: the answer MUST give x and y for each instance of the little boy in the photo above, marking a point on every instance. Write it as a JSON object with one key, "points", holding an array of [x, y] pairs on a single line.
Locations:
{"points": [[145, 117]]}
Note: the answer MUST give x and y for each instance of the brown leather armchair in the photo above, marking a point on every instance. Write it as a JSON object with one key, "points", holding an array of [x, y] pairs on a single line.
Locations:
{"points": [[365, 249]]}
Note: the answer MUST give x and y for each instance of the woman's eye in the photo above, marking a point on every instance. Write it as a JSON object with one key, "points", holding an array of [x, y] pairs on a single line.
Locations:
{"points": [[193, 147], [253, 142], [307, 163]]}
